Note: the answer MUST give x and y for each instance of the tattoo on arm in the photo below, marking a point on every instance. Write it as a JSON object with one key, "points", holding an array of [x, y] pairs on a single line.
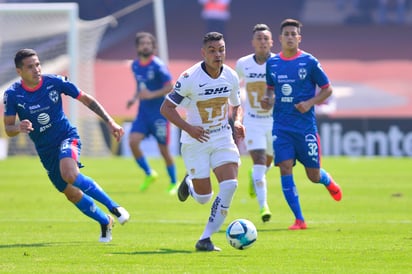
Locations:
{"points": [[99, 110]]}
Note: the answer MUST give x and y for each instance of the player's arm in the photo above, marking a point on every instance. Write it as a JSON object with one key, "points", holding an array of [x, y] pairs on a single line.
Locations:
{"points": [[168, 110], [89, 101], [322, 95], [146, 94], [268, 99], [237, 122], [12, 128], [132, 100]]}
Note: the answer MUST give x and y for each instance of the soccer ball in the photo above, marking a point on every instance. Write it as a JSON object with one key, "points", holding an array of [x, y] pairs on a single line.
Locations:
{"points": [[241, 234]]}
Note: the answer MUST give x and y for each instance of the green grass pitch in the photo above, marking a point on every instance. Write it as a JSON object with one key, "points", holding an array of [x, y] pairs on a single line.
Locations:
{"points": [[369, 231]]}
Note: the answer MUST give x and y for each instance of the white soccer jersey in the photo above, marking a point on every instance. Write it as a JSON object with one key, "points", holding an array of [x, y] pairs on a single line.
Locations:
{"points": [[207, 99], [254, 78]]}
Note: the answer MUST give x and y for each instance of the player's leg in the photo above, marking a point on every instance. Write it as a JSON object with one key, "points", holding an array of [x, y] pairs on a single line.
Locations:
{"points": [[139, 129], [68, 171], [224, 162], [259, 182], [82, 201], [309, 154], [283, 145], [87, 205], [197, 184], [161, 131], [320, 176]]}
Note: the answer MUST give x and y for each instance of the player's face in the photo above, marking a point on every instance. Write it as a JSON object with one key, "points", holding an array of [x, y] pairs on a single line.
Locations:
{"points": [[214, 54], [262, 42], [145, 48], [30, 72], [290, 38]]}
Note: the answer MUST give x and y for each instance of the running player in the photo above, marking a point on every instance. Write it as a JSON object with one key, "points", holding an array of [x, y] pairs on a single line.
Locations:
{"points": [[37, 101], [206, 90], [292, 77], [257, 121], [154, 81]]}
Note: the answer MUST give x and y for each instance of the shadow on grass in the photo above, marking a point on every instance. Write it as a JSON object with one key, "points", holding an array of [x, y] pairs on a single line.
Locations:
{"points": [[159, 251], [38, 244]]}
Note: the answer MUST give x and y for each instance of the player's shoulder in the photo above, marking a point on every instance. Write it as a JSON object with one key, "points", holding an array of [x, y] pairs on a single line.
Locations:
{"points": [[274, 57], [191, 71], [244, 59], [309, 56], [13, 88], [229, 70], [158, 61]]}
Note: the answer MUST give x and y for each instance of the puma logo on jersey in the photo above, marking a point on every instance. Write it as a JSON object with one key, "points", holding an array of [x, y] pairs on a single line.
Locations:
{"points": [[212, 91], [22, 105]]}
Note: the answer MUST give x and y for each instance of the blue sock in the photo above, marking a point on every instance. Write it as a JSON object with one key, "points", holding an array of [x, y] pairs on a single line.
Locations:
{"points": [[171, 170], [291, 195], [324, 177], [142, 162], [89, 208], [91, 188]]}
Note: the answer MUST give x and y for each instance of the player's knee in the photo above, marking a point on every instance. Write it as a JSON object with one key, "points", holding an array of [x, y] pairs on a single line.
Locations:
{"points": [[73, 194], [69, 176], [202, 199], [314, 178], [228, 186]]}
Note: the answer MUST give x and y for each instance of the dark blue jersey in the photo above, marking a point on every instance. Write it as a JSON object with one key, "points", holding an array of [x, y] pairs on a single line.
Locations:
{"points": [[44, 108], [294, 80], [154, 74]]}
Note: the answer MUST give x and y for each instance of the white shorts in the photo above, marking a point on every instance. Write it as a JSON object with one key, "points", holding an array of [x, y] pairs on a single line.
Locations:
{"points": [[200, 158], [258, 136]]}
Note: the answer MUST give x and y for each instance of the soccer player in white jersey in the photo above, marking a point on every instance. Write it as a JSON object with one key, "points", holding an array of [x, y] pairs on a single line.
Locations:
{"points": [[257, 121], [206, 90]]}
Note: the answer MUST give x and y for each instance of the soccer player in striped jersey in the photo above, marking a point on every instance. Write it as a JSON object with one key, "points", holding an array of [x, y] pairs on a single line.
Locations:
{"points": [[206, 90], [257, 121], [37, 101], [154, 81], [292, 77]]}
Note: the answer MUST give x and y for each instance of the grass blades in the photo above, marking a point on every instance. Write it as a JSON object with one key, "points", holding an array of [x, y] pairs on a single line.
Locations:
{"points": [[369, 231]]}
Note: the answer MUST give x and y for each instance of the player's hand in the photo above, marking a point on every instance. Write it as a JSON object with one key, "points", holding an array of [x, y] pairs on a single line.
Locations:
{"points": [[130, 103], [239, 129], [267, 103], [199, 134], [25, 126], [145, 94], [303, 107], [116, 130]]}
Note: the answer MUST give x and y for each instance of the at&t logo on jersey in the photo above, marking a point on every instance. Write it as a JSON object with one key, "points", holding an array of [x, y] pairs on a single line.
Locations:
{"points": [[44, 119]]}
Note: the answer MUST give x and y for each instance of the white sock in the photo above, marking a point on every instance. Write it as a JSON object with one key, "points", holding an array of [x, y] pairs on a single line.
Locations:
{"points": [[259, 180], [220, 207], [201, 199]]}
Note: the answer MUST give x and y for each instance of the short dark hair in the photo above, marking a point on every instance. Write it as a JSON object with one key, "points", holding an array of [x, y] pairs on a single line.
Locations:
{"points": [[141, 35], [22, 54], [212, 36], [291, 22], [260, 27]]}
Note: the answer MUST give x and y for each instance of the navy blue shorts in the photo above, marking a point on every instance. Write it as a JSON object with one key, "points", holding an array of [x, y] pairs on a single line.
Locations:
{"points": [[69, 148], [297, 146], [156, 125]]}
